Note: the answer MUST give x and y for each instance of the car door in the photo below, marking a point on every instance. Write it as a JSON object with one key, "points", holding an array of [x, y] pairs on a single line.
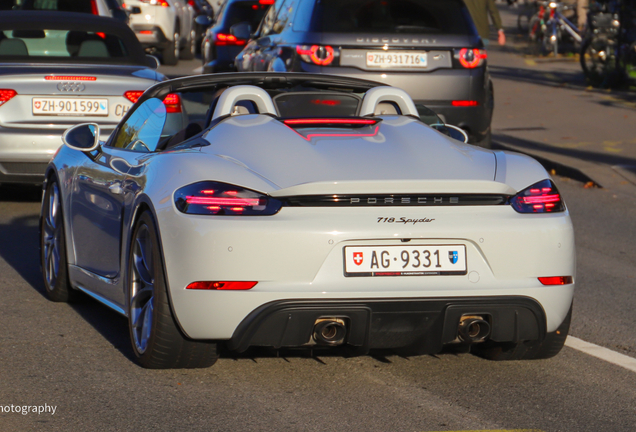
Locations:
{"points": [[105, 184]]}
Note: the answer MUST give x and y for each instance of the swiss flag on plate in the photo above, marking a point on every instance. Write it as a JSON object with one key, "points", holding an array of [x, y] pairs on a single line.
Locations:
{"points": [[358, 258], [37, 104]]}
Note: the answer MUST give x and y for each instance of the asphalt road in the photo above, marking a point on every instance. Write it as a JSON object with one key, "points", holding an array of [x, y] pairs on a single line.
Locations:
{"points": [[78, 358]]}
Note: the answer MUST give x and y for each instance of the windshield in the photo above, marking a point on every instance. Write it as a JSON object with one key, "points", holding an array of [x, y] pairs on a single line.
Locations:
{"points": [[392, 17], [69, 44]]}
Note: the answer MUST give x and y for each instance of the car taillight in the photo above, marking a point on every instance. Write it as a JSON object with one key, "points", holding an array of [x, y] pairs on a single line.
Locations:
{"points": [[542, 197], [222, 199], [69, 78], [161, 3], [556, 280], [94, 7], [471, 58], [6, 95], [317, 54], [222, 285], [465, 103], [172, 101], [228, 39]]}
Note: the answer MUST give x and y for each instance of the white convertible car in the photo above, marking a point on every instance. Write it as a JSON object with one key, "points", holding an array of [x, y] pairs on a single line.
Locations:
{"points": [[305, 211]]}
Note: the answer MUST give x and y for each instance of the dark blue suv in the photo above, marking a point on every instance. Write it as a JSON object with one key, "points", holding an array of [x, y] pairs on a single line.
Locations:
{"points": [[219, 47], [430, 48]]}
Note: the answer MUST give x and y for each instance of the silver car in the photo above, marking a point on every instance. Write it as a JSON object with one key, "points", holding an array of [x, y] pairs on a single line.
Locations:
{"points": [[57, 70]]}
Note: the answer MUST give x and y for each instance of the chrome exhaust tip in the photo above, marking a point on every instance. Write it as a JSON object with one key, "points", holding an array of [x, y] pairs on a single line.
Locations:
{"points": [[473, 329], [329, 331]]}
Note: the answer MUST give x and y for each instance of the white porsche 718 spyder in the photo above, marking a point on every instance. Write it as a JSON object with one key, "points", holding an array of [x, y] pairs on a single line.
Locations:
{"points": [[305, 211]]}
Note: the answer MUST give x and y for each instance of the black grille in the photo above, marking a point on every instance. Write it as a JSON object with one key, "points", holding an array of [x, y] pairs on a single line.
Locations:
{"points": [[24, 168], [395, 200]]}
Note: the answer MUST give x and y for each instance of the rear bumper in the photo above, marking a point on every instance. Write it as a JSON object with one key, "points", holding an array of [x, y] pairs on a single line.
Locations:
{"points": [[416, 326], [155, 39]]}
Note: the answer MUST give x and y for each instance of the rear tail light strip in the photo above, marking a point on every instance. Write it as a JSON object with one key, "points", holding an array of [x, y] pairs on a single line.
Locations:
{"points": [[69, 78], [222, 285], [223, 39]]}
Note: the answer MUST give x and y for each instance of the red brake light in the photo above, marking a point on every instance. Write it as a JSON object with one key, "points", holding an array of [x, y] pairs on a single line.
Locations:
{"points": [[471, 58], [556, 280], [146, 32], [542, 197], [172, 101], [69, 78], [221, 199], [316, 54], [6, 95], [222, 285], [266, 2], [465, 103], [133, 95], [223, 39]]}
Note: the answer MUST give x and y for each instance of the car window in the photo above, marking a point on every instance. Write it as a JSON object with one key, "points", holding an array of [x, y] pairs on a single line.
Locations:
{"points": [[244, 11], [393, 17], [285, 16], [37, 43], [316, 104], [267, 24], [83, 6], [143, 129]]}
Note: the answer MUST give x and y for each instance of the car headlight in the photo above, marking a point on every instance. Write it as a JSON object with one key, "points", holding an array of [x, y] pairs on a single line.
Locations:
{"points": [[541, 197], [222, 199]]}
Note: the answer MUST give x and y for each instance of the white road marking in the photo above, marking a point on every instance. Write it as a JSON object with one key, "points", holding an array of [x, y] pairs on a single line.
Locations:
{"points": [[608, 355]]}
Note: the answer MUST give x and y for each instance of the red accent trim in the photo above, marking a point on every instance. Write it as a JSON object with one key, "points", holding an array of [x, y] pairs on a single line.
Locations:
{"points": [[556, 280], [319, 121], [333, 135], [222, 285], [69, 78], [478, 57], [94, 7]]}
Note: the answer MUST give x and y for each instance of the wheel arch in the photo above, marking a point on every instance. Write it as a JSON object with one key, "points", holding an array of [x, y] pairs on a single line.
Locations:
{"points": [[143, 204]]}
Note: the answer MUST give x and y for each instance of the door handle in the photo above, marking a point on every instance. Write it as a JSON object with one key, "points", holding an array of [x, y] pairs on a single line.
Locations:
{"points": [[116, 189]]}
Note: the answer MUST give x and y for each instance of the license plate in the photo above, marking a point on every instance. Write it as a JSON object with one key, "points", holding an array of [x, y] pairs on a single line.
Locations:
{"points": [[407, 260], [70, 106], [399, 59]]}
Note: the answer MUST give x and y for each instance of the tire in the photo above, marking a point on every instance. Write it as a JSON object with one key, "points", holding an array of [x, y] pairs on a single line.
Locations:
{"points": [[190, 50], [528, 350], [157, 341], [53, 248], [170, 53]]}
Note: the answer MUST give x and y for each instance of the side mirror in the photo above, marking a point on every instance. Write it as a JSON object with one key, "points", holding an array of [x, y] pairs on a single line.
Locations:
{"points": [[203, 20], [451, 131], [152, 61], [83, 137], [242, 30]]}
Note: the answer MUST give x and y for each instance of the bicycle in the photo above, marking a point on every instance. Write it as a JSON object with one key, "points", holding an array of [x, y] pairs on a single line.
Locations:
{"points": [[608, 52], [548, 27]]}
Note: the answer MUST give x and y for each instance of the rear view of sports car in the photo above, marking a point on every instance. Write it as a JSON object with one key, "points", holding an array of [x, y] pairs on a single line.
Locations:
{"points": [[305, 211], [59, 69]]}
